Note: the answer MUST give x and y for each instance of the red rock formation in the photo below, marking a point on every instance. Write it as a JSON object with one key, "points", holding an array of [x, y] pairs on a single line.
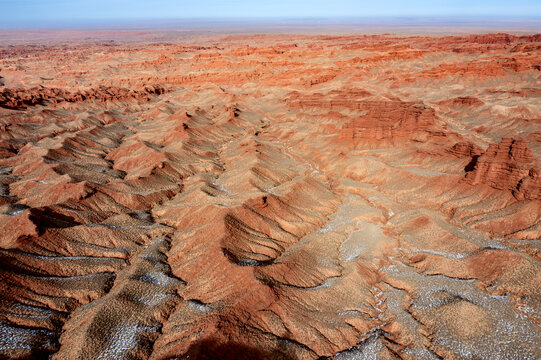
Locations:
{"points": [[287, 197], [22, 98], [390, 120], [509, 165], [17, 227], [469, 101], [466, 149]]}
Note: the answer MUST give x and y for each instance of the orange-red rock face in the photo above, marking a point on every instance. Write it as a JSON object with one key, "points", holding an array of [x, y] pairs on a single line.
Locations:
{"points": [[509, 165], [21, 98], [344, 197]]}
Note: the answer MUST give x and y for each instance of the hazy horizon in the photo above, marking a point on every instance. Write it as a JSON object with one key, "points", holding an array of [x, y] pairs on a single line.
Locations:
{"points": [[265, 23], [86, 13]]}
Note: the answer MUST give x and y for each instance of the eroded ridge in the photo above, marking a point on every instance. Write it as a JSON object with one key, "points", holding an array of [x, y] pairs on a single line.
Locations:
{"points": [[313, 197]]}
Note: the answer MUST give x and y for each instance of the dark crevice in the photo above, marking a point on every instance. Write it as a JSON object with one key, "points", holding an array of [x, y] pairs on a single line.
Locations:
{"points": [[46, 218], [471, 164], [245, 262], [212, 349]]}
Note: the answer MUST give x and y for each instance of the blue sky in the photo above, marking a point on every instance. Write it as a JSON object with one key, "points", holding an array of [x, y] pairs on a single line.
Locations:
{"points": [[47, 12]]}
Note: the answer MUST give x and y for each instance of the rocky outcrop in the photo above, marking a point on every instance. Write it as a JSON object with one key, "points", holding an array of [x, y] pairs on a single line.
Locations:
{"points": [[391, 121], [465, 149], [20, 98], [467, 101], [509, 165]]}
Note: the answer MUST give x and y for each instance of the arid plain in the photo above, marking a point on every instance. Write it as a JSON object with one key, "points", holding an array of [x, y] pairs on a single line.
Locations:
{"points": [[272, 197]]}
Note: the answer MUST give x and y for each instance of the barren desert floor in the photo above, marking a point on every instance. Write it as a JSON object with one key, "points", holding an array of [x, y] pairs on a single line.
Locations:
{"points": [[272, 197]]}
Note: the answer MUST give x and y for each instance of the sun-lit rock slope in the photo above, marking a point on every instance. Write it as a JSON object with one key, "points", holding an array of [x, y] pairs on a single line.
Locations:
{"points": [[308, 197]]}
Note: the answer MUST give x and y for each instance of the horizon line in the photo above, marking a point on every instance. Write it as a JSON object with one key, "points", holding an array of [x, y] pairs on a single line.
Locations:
{"points": [[115, 23]]}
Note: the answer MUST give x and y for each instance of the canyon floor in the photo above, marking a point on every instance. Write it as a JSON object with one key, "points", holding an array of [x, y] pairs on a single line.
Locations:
{"points": [[272, 197]]}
